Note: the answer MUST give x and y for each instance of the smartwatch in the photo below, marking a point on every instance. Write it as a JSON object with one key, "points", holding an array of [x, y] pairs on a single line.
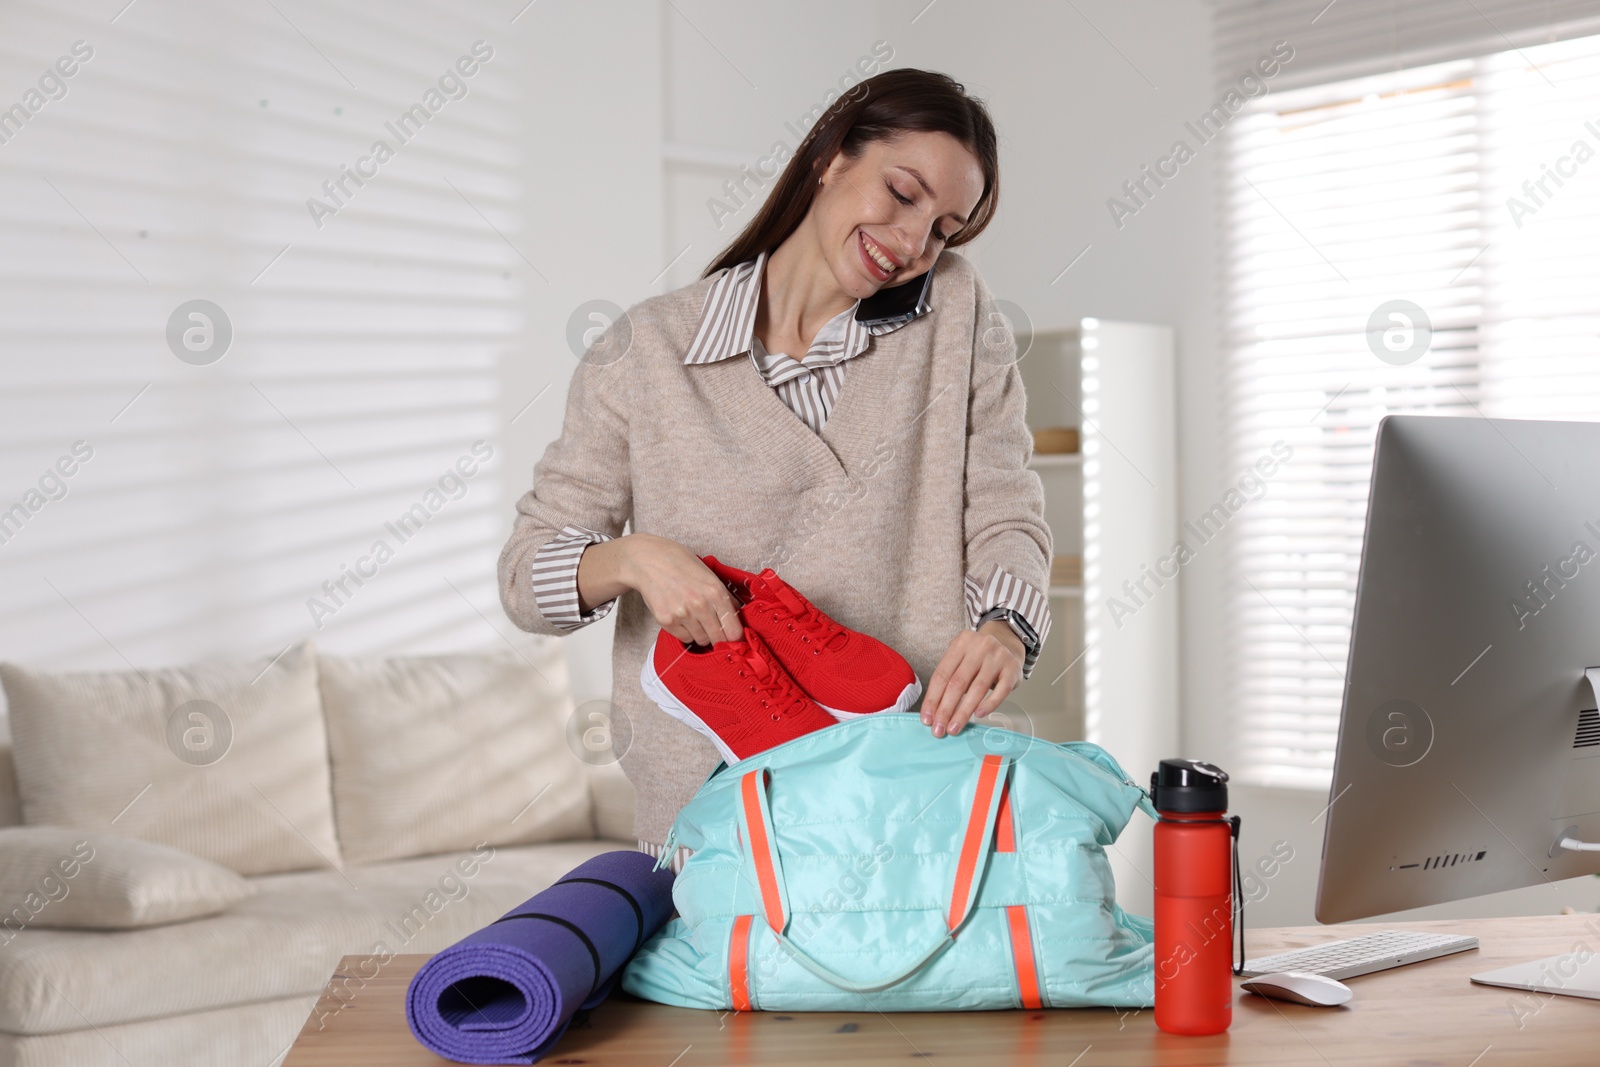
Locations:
{"points": [[1014, 619]]}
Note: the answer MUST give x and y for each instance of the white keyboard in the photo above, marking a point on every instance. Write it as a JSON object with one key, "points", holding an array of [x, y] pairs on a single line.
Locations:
{"points": [[1363, 955]]}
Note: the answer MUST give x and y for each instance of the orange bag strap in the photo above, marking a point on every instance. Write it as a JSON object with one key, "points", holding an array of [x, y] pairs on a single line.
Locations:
{"points": [[739, 962], [762, 849], [980, 826], [1005, 840]]}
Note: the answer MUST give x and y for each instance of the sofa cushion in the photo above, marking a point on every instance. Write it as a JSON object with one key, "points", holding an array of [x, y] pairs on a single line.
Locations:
{"points": [[10, 799], [87, 880], [283, 940], [246, 1035], [227, 761], [436, 753], [614, 802]]}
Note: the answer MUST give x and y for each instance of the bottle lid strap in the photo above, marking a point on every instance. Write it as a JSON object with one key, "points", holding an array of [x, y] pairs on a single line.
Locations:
{"points": [[1238, 894]]}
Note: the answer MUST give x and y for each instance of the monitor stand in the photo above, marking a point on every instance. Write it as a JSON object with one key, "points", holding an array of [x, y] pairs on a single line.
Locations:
{"points": [[1587, 791], [1571, 974]]}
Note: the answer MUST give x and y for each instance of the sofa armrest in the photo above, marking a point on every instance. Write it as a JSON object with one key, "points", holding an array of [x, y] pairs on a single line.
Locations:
{"points": [[11, 800], [613, 796]]}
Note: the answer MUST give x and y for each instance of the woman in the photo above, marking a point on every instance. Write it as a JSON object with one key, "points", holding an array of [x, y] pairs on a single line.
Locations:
{"points": [[835, 398]]}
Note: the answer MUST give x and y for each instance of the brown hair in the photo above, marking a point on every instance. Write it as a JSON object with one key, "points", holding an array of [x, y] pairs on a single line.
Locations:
{"points": [[881, 108]]}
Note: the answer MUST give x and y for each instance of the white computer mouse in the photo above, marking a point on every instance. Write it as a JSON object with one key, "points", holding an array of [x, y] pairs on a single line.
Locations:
{"points": [[1302, 987]]}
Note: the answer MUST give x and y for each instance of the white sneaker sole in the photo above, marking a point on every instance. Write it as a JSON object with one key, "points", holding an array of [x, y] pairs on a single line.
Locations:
{"points": [[908, 696], [657, 690]]}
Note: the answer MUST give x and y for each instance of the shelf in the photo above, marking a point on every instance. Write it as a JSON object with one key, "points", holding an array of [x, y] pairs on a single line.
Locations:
{"points": [[1055, 459]]}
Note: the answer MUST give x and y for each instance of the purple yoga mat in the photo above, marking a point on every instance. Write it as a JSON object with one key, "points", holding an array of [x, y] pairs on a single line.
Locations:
{"points": [[507, 993]]}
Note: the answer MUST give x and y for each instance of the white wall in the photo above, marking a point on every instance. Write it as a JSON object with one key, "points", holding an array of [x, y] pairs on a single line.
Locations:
{"points": [[595, 205], [367, 356]]}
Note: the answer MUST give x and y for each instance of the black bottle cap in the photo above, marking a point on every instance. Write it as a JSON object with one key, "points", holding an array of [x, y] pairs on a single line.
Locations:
{"points": [[1188, 785]]}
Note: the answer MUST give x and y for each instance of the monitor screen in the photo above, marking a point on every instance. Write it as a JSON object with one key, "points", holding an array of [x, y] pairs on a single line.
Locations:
{"points": [[1469, 743]]}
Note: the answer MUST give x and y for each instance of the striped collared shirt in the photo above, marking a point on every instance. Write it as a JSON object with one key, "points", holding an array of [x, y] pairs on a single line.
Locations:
{"points": [[808, 387]]}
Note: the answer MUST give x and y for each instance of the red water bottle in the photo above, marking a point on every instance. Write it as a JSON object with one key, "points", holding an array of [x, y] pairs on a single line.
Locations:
{"points": [[1195, 878]]}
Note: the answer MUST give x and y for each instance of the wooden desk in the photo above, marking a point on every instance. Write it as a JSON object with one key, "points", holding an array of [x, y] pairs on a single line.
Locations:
{"points": [[1425, 1013]]}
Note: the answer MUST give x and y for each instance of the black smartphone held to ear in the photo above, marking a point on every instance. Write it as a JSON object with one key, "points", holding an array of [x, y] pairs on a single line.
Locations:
{"points": [[895, 300]]}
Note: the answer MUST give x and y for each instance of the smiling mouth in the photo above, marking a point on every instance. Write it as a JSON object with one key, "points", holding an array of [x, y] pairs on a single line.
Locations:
{"points": [[874, 255]]}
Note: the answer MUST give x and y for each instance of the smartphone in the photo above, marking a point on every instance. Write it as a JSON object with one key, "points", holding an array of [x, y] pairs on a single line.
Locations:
{"points": [[895, 300]]}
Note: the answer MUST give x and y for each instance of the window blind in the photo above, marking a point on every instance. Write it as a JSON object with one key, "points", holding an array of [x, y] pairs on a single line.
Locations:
{"points": [[367, 344], [1335, 40], [1377, 260]]}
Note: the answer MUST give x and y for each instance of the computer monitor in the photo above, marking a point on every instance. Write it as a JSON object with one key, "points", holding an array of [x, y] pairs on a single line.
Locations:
{"points": [[1469, 743]]}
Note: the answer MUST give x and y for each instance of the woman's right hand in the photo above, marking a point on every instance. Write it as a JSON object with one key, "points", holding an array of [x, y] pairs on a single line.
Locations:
{"points": [[687, 600]]}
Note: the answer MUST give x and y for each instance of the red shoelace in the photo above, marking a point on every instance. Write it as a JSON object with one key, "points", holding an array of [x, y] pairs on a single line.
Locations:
{"points": [[769, 681], [825, 632]]}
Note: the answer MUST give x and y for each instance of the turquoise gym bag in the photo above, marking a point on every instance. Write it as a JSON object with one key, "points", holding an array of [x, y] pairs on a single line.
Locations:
{"points": [[871, 866]]}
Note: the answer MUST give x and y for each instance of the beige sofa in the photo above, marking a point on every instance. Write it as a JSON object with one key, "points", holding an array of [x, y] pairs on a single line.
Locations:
{"points": [[236, 987]]}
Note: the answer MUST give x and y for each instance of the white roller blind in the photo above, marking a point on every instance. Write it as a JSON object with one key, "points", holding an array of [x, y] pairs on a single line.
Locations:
{"points": [[1341, 39], [366, 354], [1338, 201], [1541, 272]]}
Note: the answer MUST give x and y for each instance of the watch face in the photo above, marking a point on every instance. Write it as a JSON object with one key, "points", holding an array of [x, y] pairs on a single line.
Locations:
{"points": [[1015, 620]]}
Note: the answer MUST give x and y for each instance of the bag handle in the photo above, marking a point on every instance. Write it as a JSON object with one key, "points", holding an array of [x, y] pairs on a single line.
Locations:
{"points": [[976, 844], [762, 848]]}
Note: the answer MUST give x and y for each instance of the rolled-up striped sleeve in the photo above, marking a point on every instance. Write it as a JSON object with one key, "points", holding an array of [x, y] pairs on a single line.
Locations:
{"points": [[1005, 590], [554, 578]]}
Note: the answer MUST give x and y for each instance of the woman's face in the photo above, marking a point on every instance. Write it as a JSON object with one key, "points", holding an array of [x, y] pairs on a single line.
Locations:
{"points": [[894, 207]]}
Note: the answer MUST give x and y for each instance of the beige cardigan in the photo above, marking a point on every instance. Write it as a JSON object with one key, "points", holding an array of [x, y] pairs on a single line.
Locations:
{"points": [[918, 477]]}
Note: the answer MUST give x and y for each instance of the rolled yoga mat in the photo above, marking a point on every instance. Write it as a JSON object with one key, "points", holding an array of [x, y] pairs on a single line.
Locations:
{"points": [[507, 993]]}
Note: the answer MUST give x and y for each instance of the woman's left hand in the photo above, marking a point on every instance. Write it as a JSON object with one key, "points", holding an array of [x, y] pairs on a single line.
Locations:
{"points": [[976, 662]]}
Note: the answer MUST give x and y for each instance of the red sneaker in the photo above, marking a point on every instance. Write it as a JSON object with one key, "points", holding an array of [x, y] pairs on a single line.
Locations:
{"points": [[734, 692], [847, 672]]}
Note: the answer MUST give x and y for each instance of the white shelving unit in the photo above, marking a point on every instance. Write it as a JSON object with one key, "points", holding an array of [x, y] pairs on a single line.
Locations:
{"points": [[1107, 676]]}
